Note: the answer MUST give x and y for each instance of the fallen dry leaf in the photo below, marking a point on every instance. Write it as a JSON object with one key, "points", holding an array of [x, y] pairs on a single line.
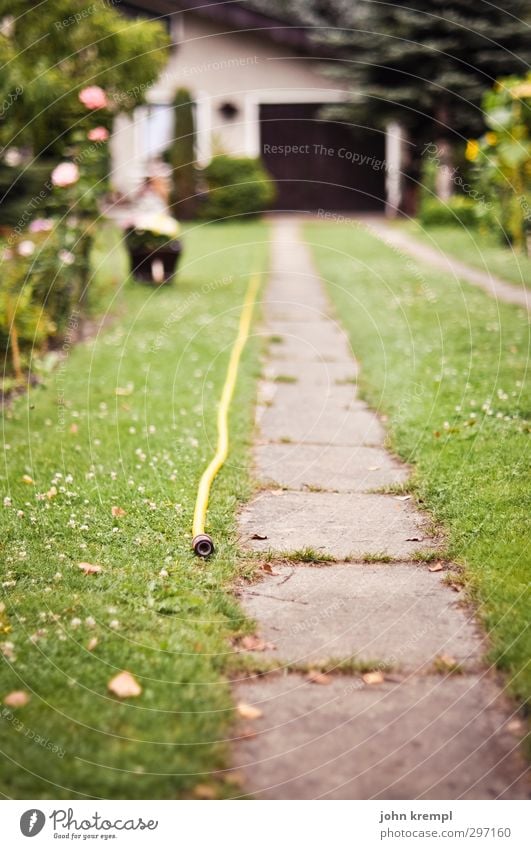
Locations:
{"points": [[124, 685], [17, 699], [204, 791], [235, 777], [253, 643], [89, 568], [437, 567], [27, 479], [124, 390], [316, 677], [266, 567], [247, 711], [92, 643], [375, 677], [446, 661], [118, 511], [247, 734], [258, 536]]}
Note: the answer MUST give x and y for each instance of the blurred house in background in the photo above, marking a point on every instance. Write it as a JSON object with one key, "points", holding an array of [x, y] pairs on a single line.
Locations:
{"points": [[259, 86]]}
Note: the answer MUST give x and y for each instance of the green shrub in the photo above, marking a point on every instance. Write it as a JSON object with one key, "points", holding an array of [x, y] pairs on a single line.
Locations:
{"points": [[458, 209], [25, 191], [181, 157], [237, 186], [48, 289]]}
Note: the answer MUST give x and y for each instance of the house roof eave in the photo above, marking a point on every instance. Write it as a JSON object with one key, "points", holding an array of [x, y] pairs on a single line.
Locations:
{"points": [[239, 16]]}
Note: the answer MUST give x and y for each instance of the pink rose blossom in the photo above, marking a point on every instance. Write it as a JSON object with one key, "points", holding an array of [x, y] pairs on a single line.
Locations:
{"points": [[65, 174], [98, 134], [93, 97], [41, 225], [26, 248]]}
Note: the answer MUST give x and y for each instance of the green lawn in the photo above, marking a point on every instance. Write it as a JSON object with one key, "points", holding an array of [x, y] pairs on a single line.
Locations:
{"points": [[128, 421], [478, 249], [448, 367]]}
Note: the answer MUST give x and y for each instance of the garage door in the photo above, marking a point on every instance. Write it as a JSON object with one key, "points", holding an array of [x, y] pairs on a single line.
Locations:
{"points": [[321, 164]]}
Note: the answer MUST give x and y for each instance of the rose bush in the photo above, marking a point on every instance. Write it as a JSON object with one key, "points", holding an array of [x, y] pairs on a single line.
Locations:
{"points": [[45, 269]]}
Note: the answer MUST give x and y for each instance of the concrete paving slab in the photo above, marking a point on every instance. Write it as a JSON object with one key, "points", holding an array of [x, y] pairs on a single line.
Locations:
{"points": [[287, 309], [339, 468], [323, 336], [292, 347], [299, 289], [314, 400], [423, 738], [398, 613], [327, 426], [313, 372], [339, 524]]}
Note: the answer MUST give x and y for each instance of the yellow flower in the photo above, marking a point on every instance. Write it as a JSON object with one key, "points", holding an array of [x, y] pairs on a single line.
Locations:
{"points": [[522, 89], [491, 138], [472, 150]]}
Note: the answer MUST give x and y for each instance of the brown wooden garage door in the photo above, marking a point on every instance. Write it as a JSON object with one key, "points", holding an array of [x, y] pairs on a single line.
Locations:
{"points": [[321, 164]]}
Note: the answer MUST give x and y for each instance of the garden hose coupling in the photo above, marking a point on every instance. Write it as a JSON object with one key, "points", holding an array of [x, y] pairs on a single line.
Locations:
{"points": [[202, 545]]}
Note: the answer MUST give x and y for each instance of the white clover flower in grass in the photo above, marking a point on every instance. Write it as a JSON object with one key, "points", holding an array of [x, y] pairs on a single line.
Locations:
{"points": [[66, 257]]}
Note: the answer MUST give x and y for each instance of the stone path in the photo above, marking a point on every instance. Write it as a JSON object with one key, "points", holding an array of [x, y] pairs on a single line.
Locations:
{"points": [[494, 286], [411, 729]]}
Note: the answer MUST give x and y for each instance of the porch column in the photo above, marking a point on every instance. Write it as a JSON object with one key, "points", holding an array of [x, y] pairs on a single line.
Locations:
{"points": [[394, 141], [251, 119], [203, 128]]}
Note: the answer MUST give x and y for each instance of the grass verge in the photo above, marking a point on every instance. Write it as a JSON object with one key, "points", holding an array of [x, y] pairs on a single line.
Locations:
{"points": [[127, 421], [481, 250], [447, 366]]}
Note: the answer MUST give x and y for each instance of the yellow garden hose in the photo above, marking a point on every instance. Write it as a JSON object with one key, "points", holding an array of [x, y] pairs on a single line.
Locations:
{"points": [[202, 542]]}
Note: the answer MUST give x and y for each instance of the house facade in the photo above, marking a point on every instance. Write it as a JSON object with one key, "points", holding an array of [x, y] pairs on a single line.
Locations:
{"points": [[261, 89]]}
